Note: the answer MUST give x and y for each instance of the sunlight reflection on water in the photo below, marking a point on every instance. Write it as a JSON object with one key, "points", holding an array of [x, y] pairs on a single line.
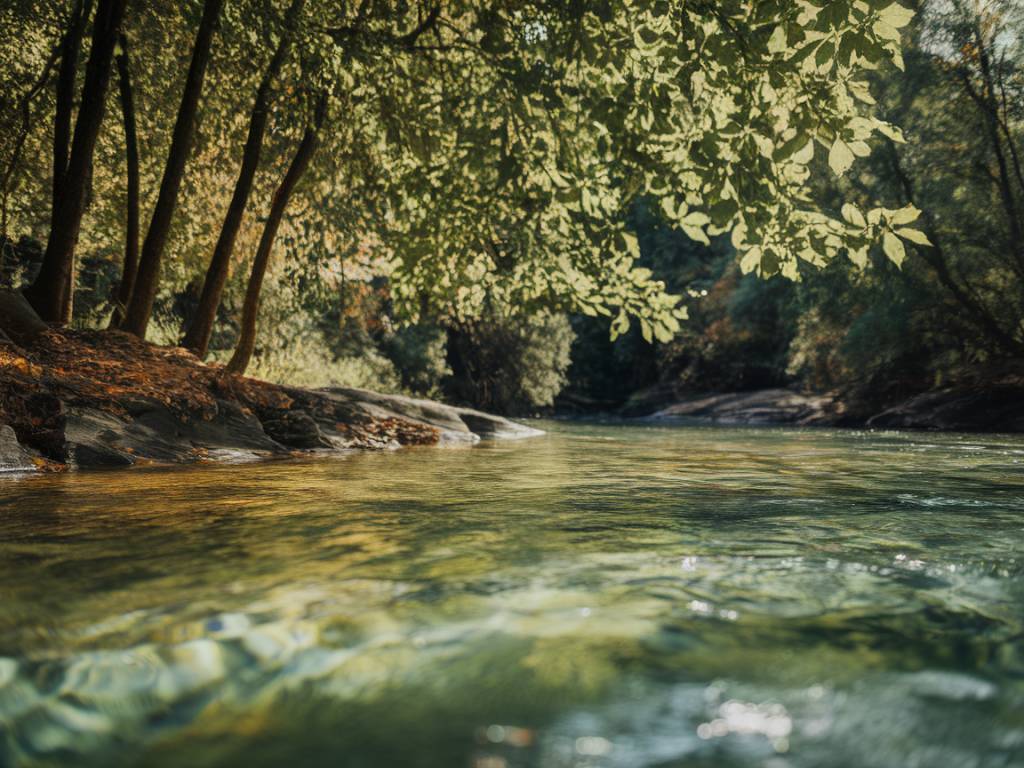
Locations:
{"points": [[605, 596]]}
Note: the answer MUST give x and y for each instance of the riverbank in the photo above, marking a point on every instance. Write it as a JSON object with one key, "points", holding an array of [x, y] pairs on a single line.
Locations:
{"points": [[993, 407], [89, 399]]}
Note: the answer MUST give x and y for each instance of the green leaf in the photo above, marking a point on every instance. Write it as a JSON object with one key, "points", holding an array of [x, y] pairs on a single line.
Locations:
{"points": [[860, 149], [894, 248], [840, 157], [906, 215], [861, 91], [853, 215], [751, 260], [778, 43], [892, 131], [645, 329], [896, 16], [620, 325], [696, 233], [824, 57], [668, 205], [804, 155], [914, 236]]}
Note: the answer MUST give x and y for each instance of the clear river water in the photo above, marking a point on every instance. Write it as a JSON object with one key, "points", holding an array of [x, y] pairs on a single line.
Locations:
{"points": [[604, 596]]}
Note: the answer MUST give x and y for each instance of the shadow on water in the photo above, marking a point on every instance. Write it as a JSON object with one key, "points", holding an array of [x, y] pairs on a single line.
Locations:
{"points": [[605, 595]]}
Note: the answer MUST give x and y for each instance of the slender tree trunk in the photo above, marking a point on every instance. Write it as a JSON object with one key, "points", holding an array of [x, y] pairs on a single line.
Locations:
{"points": [[67, 305], [197, 336], [70, 48], [47, 293], [140, 306], [131, 244], [250, 310]]}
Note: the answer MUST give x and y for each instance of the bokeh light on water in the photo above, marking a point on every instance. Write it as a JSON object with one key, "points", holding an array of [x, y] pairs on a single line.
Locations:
{"points": [[601, 597]]}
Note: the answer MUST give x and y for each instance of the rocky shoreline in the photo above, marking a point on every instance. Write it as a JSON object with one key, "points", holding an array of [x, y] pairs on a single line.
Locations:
{"points": [[994, 408], [105, 399]]}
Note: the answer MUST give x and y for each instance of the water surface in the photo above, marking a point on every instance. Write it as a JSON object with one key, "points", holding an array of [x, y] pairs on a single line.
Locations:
{"points": [[600, 597]]}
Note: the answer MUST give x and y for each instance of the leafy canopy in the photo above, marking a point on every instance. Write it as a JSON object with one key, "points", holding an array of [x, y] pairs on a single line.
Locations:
{"points": [[511, 139], [489, 151]]}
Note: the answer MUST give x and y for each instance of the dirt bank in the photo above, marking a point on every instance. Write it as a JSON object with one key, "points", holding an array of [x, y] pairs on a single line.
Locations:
{"points": [[74, 399]]}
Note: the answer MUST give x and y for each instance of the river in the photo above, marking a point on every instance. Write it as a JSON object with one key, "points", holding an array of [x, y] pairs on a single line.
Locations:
{"points": [[604, 596]]}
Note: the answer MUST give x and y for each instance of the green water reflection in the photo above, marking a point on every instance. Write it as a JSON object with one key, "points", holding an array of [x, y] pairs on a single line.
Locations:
{"points": [[600, 597]]}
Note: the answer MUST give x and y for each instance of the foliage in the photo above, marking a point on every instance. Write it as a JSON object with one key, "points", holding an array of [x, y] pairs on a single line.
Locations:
{"points": [[512, 365], [956, 308], [602, 159], [491, 153], [418, 353], [950, 313], [298, 351], [714, 109]]}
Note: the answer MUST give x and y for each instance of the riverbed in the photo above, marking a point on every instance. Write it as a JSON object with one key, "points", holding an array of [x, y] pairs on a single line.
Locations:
{"points": [[603, 596]]}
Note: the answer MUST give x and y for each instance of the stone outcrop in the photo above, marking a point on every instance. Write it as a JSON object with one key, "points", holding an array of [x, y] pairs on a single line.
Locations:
{"points": [[767, 406], [75, 399], [456, 424], [997, 408]]}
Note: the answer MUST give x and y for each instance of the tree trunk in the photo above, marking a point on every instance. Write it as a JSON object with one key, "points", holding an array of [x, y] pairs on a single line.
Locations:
{"points": [[140, 306], [48, 292], [131, 245], [197, 336], [70, 48], [67, 305], [300, 163]]}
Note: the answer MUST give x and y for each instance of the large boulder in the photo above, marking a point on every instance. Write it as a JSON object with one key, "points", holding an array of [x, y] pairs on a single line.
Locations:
{"points": [[18, 321], [295, 429], [92, 400]]}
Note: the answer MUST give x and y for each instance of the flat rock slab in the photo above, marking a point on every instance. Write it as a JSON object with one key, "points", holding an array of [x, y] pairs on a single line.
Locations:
{"points": [[456, 424], [94, 438]]}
